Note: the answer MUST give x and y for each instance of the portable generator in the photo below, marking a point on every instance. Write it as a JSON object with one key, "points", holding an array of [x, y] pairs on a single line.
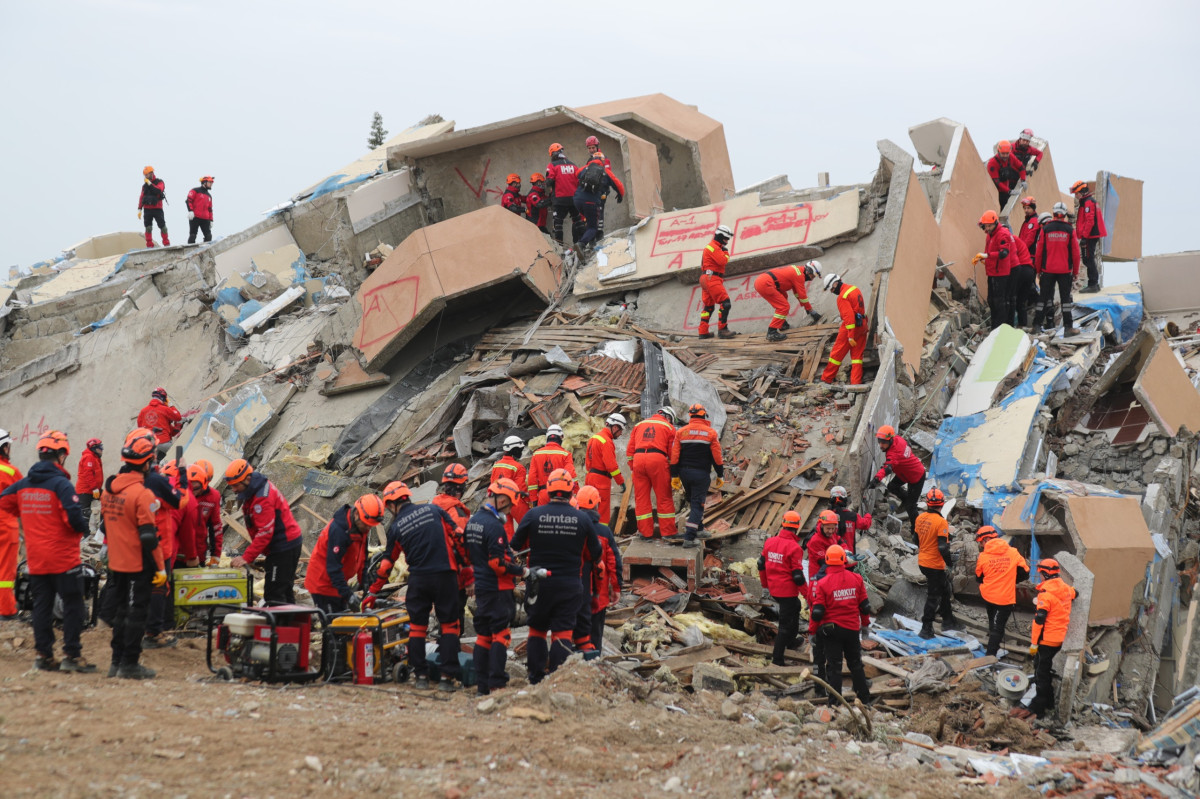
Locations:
{"points": [[368, 647], [272, 644], [198, 589]]}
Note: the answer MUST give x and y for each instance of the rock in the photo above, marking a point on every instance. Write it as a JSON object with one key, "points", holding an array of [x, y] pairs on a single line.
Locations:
{"points": [[694, 636], [823, 715], [1160, 446], [1126, 776], [730, 710], [788, 717], [672, 784], [169, 754], [487, 705], [709, 677], [539, 716], [917, 752], [737, 696], [1070, 449], [562, 700], [313, 762], [774, 722], [911, 571], [852, 748]]}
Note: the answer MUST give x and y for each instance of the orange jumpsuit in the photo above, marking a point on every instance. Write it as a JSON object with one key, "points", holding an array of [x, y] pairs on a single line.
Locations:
{"points": [[10, 542], [853, 311], [648, 452], [774, 286], [600, 461], [510, 467], [712, 285], [550, 457]]}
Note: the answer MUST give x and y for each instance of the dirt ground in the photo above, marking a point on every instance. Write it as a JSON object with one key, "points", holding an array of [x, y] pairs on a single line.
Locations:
{"points": [[183, 734]]}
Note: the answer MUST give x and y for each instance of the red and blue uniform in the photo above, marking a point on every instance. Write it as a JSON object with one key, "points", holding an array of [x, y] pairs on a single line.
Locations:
{"points": [[339, 554]]}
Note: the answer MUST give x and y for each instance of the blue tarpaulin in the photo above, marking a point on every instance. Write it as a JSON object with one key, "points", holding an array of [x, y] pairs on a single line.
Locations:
{"points": [[1121, 305]]}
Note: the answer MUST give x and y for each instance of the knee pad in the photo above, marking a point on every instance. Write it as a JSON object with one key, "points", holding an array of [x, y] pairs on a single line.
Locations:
{"points": [[725, 306]]}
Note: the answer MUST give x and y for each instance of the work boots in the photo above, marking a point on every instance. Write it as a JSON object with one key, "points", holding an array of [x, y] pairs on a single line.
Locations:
{"points": [[150, 239], [135, 672], [77, 665], [725, 333], [706, 335], [166, 241], [926, 630], [775, 335]]}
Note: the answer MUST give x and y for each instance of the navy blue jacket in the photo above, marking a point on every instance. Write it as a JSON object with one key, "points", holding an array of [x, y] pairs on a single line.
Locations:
{"points": [[557, 536], [426, 535], [487, 546]]}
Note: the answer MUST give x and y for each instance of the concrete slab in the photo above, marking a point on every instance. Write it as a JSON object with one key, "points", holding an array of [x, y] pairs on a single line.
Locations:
{"points": [[1169, 282], [108, 244], [1117, 550], [933, 140], [353, 377], [1167, 393], [83, 274], [967, 192], [375, 196], [1121, 203], [237, 255], [286, 263], [1001, 355]]}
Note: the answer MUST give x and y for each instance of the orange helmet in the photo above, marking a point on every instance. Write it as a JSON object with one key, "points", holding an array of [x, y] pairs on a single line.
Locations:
{"points": [[1029, 202], [513, 178], [1049, 567], [146, 172], [1078, 186], [208, 469], [589, 497], [989, 218], [1004, 147], [934, 498], [207, 179], [827, 517], [396, 491], [169, 468], [791, 520], [505, 487], [885, 433], [455, 473], [555, 148], [54, 441], [560, 482], [835, 556], [537, 177], [698, 411], [196, 474], [140, 446], [369, 509], [238, 472], [986, 533]]}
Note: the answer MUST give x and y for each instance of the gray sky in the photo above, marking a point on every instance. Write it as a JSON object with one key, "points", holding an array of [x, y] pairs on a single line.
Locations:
{"points": [[271, 96]]}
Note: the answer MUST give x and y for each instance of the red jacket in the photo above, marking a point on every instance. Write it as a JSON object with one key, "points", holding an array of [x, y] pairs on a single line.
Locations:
{"points": [[513, 201], [199, 202], [457, 511], [609, 579], [90, 475], [1023, 255], [840, 597], [1005, 173], [1028, 233], [535, 210], [852, 308], [269, 519], [783, 562], [550, 457], [653, 436], [187, 524], [563, 176], [613, 181], [210, 532], [339, 554], [166, 517], [165, 420], [1057, 249], [1023, 152], [715, 258], [511, 468], [48, 507], [1001, 252], [9, 474], [901, 461], [817, 544], [152, 194], [791, 278], [1089, 223], [600, 457]]}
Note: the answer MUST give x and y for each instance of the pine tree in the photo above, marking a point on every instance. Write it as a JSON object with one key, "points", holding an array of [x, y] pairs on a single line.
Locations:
{"points": [[378, 134]]}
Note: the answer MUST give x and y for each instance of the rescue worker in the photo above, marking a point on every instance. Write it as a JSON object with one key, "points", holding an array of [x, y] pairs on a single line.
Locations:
{"points": [[509, 466], [712, 283], [537, 204], [998, 570], [781, 567], [550, 456], [273, 530], [607, 590], [600, 462], [1026, 153], [558, 538], [89, 477], [824, 535], [448, 498], [496, 572], [210, 532], [774, 285], [135, 556], [1057, 264], [852, 334], [593, 576], [1022, 284], [596, 179], [1051, 618], [512, 199], [695, 451], [593, 147], [47, 506], [160, 416], [933, 559], [849, 521], [1030, 227], [999, 258], [10, 534], [200, 210], [841, 611], [1005, 170], [907, 470], [562, 179], [150, 201], [434, 552], [1089, 228], [341, 553], [648, 454], [176, 526]]}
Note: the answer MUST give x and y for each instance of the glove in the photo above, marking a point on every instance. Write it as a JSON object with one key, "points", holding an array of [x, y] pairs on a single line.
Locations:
{"points": [[191, 215], [816, 317], [537, 574], [213, 561], [620, 199], [1033, 650], [875, 481], [676, 484], [139, 213], [355, 603], [977, 258], [368, 601], [95, 493], [160, 579], [720, 481], [866, 635]]}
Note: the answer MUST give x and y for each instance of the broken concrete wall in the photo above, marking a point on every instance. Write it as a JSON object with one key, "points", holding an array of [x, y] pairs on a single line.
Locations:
{"points": [[1042, 186], [1116, 549], [1167, 393], [1169, 282], [108, 244], [966, 192], [234, 253], [1120, 201], [882, 407]]}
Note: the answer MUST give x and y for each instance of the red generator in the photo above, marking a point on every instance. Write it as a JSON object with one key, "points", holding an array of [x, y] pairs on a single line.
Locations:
{"points": [[272, 644]]}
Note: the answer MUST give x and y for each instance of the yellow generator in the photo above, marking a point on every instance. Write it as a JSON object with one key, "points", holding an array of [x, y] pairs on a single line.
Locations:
{"points": [[198, 589], [368, 647]]}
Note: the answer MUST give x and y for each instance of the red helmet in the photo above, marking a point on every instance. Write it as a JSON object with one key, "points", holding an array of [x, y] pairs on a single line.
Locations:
{"points": [[369, 509], [95, 445], [986, 533], [160, 394], [455, 473], [555, 148], [1026, 135], [54, 441], [505, 487], [207, 179], [935, 498], [791, 520], [396, 491], [513, 178], [592, 141], [560, 482], [1004, 147], [835, 556], [589, 497], [1029, 202]]}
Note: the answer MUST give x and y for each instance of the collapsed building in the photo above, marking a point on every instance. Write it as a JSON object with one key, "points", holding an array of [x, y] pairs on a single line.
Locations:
{"points": [[392, 317]]}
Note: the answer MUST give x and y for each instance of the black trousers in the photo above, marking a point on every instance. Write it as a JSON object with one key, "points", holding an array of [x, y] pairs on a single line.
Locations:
{"points": [[908, 493], [280, 585], [554, 611], [1024, 292], [842, 643], [999, 299], [789, 625], [561, 208], [937, 595], [1045, 316], [600, 213], [598, 628], [1087, 248], [493, 615], [581, 634], [129, 593], [152, 215], [587, 209], [997, 616], [329, 605], [695, 487], [437, 592], [69, 586], [202, 225], [1043, 679], [162, 605]]}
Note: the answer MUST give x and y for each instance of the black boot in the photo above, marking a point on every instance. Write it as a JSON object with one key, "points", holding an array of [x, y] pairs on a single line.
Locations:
{"points": [[926, 630]]}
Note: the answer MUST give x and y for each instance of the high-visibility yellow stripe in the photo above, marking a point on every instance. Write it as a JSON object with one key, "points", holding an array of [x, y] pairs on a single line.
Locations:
{"points": [[835, 362], [846, 293], [6, 584], [850, 327], [780, 316], [852, 360], [6, 469], [615, 472], [508, 466], [646, 516]]}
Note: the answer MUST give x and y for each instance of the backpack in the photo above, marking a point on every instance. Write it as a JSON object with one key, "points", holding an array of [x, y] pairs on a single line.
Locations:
{"points": [[592, 178]]}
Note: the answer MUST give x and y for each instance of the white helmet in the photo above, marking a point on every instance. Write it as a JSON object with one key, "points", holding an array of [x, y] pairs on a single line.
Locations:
{"points": [[616, 420], [511, 443], [838, 492], [812, 269], [724, 232], [5, 438], [668, 412], [1060, 208], [1044, 217], [831, 279], [553, 431]]}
